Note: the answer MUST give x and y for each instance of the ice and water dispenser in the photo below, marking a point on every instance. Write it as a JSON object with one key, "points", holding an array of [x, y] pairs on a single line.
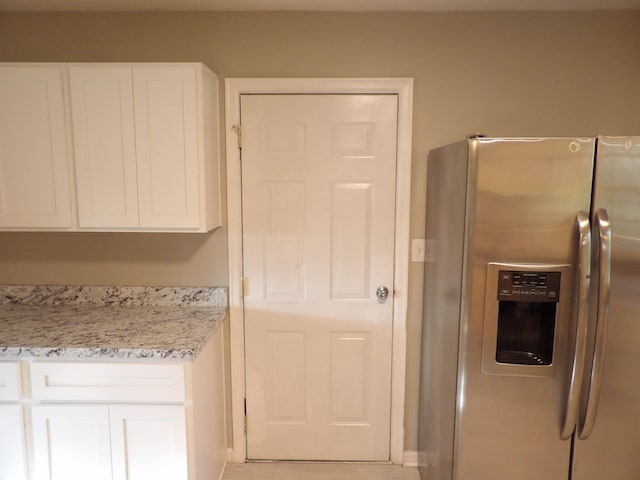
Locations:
{"points": [[520, 324]]}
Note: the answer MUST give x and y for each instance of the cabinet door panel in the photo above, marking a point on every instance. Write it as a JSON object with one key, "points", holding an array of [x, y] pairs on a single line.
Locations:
{"points": [[9, 381], [34, 162], [12, 453], [166, 122], [149, 442], [71, 442], [103, 127]]}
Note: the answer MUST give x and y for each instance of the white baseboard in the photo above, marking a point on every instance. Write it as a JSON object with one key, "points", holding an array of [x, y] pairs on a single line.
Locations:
{"points": [[410, 458], [230, 458]]}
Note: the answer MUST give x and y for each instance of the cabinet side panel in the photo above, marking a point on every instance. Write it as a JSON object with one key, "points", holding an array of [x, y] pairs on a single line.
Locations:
{"points": [[211, 207], [446, 199], [207, 428]]}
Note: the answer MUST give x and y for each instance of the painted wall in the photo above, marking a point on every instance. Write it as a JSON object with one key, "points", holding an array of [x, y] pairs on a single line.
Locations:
{"points": [[504, 74]]}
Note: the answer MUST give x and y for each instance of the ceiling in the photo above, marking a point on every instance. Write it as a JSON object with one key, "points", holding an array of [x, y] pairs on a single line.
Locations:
{"points": [[313, 5]]}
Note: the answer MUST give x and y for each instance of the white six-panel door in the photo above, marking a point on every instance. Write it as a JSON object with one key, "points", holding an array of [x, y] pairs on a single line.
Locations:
{"points": [[318, 183]]}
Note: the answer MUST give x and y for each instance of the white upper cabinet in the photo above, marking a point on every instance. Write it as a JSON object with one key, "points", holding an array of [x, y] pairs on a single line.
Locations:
{"points": [[146, 146], [105, 150], [34, 158]]}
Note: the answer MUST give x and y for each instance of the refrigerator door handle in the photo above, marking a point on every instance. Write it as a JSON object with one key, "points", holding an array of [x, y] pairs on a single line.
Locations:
{"points": [[602, 321], [583, 282]]}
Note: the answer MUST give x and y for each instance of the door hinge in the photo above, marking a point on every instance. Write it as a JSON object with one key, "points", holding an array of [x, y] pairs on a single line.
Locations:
{"points": [[245, 415], [238, 130], [244, 286]]}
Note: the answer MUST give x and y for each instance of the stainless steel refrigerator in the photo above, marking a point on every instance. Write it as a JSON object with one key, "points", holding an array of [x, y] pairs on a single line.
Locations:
{"points": [[531, 332]]}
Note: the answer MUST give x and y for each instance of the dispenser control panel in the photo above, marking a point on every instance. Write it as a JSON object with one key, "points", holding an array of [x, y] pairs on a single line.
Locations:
{"points": [[527, 286]]}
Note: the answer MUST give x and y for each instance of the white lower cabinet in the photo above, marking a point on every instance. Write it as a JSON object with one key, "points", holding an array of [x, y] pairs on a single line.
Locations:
{"points": [[116, 442], [12, 446], [13, 464], [108, 420], [71, 442], [148, 442]]}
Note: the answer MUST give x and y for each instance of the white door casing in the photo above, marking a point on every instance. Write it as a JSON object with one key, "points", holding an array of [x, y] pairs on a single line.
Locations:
{"points": [[402, 88], [318, 183]]}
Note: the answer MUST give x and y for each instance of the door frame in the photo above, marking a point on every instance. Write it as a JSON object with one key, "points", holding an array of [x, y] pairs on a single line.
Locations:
{"points": [[403, 88]]}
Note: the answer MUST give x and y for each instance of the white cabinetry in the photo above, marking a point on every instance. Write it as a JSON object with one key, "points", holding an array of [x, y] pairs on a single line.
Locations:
{"points": [[115, 442], [105, 150], [12, 440], [148, 442], [71, 442], [146, 146], [34, 158], [142, 138], [129, 421]]}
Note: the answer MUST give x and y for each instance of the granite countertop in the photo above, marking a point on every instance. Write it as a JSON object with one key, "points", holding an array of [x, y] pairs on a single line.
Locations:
{"points": [[85, 322]]}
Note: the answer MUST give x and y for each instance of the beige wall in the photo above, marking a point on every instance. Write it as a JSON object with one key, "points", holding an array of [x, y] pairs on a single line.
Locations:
{"points": [[533, 74]]}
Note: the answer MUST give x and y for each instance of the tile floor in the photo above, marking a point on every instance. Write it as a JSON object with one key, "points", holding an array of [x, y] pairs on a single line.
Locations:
{"points": [[318, 471]]}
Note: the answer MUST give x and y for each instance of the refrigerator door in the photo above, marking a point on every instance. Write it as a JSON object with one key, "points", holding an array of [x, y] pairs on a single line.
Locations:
{"points": [[611, 449], [521, 251]]}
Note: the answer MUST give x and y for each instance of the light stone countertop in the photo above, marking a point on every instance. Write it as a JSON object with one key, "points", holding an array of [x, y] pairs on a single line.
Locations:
{"points": [[108, 322]]}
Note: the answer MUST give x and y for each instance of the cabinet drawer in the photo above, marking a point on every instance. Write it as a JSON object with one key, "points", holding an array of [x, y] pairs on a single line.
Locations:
{"points": [[107, 382], [9, 382]]}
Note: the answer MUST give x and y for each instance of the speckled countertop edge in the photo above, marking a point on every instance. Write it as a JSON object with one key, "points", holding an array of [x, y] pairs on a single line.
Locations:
{"points": [[108, 322], [112, 295]]}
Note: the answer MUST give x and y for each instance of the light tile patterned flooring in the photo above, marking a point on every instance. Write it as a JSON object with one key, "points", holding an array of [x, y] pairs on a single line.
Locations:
{"points": [[318, 471]]}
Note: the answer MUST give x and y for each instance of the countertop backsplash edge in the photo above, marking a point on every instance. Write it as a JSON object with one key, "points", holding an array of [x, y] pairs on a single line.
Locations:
{"points": [[121, 296]]}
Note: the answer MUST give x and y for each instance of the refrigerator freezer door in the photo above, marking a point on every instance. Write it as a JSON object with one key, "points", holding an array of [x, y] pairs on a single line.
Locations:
{"points": [[611, 451], [523, 199]]}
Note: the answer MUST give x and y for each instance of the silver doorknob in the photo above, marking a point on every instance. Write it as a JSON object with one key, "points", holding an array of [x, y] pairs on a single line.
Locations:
{"points": [[382, 292]]}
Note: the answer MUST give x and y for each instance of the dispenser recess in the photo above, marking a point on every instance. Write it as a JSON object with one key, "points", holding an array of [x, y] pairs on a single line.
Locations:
{"points": [[522, 305]]}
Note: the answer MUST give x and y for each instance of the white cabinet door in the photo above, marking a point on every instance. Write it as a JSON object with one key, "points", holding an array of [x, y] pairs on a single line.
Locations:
{"points": [[34, 161], [149, 442], [166, 123], [71, 442], [104, 141], [146, 146], [12, 447]]}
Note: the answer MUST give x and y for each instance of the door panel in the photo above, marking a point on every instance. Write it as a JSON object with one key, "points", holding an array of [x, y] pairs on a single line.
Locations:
{"points": [[34, 159], [148, 441], [71, 442], [166, 107], [318, 181], [105, 154], [13, 463]]}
